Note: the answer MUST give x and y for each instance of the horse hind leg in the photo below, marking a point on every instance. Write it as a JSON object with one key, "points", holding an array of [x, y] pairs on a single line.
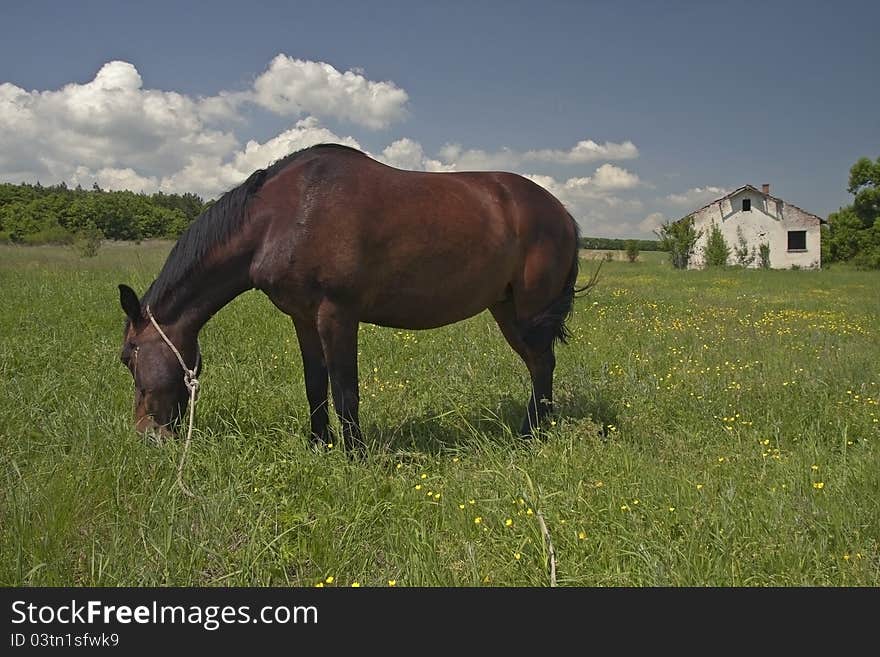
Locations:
{"points": [[536, 350], [533, 324]]}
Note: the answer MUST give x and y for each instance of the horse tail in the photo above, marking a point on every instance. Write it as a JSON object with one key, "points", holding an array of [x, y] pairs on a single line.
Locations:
{"points": [[549, 327]]}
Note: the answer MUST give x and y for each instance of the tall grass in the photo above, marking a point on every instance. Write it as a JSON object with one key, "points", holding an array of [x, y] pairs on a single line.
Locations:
{"points": [[713, 428]]}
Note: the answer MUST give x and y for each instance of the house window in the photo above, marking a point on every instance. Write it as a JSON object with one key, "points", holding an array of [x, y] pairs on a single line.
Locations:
{"points": [[797, 240], [747, 205]]}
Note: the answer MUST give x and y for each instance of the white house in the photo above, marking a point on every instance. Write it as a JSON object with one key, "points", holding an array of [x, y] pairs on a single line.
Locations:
{"points": [[793, 234]]}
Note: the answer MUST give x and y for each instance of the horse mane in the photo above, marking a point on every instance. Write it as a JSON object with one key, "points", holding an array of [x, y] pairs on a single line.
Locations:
{"points": [[213, 227]]}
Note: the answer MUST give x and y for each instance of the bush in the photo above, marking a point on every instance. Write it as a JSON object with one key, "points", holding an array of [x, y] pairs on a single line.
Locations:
{"points": [[716, 252], [868, 256], [744, 256], [632, 250], [679, 238], [764, 255], [88, 242], [867, 260], [48, 235], [843, 235]]}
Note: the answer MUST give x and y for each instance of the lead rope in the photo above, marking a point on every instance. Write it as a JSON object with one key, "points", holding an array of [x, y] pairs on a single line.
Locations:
{"points": [[192, 385]]}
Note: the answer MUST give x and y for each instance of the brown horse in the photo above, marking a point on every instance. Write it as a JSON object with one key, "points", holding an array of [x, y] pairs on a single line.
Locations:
{"points": [[335, 238]]}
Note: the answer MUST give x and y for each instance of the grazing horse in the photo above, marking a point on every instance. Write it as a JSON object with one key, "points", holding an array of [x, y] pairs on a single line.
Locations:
{"points": [[335, 238]]}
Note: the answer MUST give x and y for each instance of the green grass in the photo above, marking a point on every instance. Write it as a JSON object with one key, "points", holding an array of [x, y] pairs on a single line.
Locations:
{"points": [[713, 428]]}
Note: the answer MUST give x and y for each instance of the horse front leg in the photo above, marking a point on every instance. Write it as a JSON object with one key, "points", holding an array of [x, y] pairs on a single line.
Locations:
{"points": [[338, 330], [315, 373]]}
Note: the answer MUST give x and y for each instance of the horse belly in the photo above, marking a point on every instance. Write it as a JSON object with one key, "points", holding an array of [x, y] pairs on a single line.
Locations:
{"points": [[435, 296]]}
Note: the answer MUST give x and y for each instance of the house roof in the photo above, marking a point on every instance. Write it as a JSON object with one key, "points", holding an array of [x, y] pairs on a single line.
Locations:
{"points": [[754, 189]]}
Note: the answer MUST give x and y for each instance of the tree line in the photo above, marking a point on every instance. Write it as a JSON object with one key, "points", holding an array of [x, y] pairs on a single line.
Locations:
{"points": [[613, 244], [35, 214]]}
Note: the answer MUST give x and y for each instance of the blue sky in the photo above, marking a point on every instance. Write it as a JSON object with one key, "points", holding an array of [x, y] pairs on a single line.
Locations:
{"points": [[676, 101]]}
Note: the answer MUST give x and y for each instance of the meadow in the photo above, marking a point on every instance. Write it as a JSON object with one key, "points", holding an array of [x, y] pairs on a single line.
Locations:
{"points": [[715, 428]]}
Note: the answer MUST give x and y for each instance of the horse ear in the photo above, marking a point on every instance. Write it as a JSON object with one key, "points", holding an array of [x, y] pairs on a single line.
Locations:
{"points": [[130, 303]]}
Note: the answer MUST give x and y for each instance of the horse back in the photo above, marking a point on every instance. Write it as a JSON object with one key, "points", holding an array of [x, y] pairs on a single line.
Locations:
{"points": [[405, 248]]}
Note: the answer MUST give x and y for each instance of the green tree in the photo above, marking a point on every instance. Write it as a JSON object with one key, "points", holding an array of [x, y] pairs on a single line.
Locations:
{"points": [[716, 252], [864, 183], [632, 250], [843, 239], [190, 205], [679, 238], [868, 256]]}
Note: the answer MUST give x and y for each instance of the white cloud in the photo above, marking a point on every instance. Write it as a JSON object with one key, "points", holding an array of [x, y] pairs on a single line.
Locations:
{"points": [[575, 190], [210, 176], [509, 159], [696, 196], [404, 154], [454, 157], [609, 176], [115, 179], [112, 131], [408, 154], [652, 222], [585, 151], [294, 87], [109, 123], [475, 159], [222, 108]]}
